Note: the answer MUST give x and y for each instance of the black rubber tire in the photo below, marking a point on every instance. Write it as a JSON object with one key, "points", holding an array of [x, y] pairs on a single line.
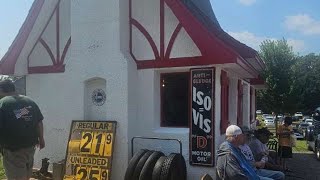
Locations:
{"points": [[174, 167], [157, 168], [142, 161], [133, 163], [146, 172]]}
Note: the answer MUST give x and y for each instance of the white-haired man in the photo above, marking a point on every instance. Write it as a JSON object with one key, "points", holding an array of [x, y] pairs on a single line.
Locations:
{"points": [[231, 163]]}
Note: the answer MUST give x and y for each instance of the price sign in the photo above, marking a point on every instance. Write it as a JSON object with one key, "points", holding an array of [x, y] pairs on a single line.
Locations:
{"points": [[90, 149]]}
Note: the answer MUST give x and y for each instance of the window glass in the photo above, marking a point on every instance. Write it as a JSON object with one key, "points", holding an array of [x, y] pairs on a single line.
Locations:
{"points": [[175, 99]]}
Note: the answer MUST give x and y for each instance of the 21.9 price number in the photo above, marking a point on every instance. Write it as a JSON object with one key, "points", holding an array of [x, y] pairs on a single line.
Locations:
{"points": [[96, 143]]}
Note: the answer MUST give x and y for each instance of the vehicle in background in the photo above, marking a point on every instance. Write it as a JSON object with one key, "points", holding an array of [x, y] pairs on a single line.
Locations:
{"points": [[313, 134], [298, 135], [279, 116], [309, 121], [306, 117], [302, 127], [269, 120], [265, 115], [258, 112], [298, 115]]}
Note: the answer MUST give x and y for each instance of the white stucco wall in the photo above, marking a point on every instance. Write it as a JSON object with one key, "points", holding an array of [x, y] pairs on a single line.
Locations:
{"points": [[149, 115], [94, 52], [99, 49]]}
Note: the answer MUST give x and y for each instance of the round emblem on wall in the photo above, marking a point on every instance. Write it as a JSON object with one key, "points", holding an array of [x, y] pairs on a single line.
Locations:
{"points": [[98, 97]]}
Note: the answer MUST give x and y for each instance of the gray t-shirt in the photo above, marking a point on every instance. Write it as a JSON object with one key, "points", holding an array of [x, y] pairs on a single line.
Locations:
{"points": [[258, 148]]}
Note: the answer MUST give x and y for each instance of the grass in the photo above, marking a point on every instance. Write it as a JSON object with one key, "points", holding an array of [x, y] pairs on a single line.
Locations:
{"points": [[301, 146], [2, 173]]}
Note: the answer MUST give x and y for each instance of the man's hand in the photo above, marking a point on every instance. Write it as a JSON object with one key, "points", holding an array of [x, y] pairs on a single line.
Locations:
{"points": [[259, 164], [41, 144]]}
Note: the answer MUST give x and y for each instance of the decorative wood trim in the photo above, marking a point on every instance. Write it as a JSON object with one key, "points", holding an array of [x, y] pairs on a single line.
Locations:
{"points": [[147, 36], [9, 60], [47, 69], [57, 62], [45, 45], [172, 40]]}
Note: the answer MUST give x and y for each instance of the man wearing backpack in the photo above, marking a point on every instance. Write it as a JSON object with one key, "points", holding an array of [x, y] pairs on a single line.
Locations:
{"points": [[21, 129]]}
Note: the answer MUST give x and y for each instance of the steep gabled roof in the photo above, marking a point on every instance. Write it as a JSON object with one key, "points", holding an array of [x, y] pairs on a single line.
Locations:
{"points": [[8, 61], [202, 10]]}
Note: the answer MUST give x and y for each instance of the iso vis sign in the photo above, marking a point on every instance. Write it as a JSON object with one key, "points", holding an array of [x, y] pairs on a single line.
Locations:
{"points": [[202, 117], [90, 150]]}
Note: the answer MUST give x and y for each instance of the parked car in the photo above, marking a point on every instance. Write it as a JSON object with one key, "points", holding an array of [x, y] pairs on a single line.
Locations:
{"points": [[313, 134], [302, 127], [269, 120], [306, 117], [258, 112], [298, 135], [309, 121], [298, 115], [265, 115]]}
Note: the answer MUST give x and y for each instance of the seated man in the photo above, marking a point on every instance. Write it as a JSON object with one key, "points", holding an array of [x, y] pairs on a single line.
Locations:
{"points": [[260, 150], [258, 166], [231, 163]]}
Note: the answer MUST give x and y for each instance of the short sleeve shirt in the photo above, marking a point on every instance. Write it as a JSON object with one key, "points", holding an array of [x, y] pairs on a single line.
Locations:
{"points": [[19, 118], [284, 140]]}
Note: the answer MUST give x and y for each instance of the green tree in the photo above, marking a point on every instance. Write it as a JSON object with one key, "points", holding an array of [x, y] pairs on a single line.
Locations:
{"points": [[279, 59], [306, 82]]}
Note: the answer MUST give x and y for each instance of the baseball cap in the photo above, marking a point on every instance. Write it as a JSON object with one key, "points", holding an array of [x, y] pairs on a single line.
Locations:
{"points": [[233, 130]]}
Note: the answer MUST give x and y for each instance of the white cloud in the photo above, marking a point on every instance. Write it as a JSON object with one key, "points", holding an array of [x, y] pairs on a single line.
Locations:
{"points": [[254, 41], [247, 2], [297, 45], [303, 23]]}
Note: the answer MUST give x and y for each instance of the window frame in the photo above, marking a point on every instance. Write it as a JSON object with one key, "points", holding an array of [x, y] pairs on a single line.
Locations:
{"points": [[162, 114]]}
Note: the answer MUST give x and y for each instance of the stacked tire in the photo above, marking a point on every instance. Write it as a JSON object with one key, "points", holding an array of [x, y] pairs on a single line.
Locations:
{"points": [[154, 165]]}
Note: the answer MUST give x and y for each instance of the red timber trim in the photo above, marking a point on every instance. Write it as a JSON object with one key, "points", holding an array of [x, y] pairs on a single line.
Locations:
{"points": [[247, 67], [257, 81], [224, 102], [47, 69], [9, 60], [172, 40], [148, 37], [213, 50], [58, 61], [240, 104]]}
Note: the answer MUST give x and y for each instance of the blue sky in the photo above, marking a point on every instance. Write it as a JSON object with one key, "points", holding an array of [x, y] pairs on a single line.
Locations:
{"points": [[12, 15], [250, 21]]}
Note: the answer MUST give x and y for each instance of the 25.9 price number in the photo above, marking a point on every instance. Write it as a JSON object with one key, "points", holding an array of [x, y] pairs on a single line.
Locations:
{"points": [[87, 173], [96, 143]]}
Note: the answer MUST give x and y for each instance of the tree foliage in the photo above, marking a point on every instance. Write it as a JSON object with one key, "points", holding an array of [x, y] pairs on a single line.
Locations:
{"points": [[306, 82], [279, 59], [293, 82]]}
